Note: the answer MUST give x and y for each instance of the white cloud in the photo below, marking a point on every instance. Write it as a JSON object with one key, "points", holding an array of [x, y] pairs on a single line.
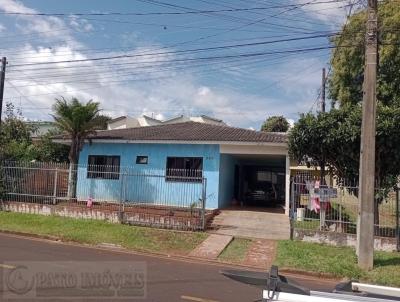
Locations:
{"points": [[2, 27], [45, 25], [15, 6], [168, 94], [80, 24], [136, 85], [333, 13], [49, 27]]}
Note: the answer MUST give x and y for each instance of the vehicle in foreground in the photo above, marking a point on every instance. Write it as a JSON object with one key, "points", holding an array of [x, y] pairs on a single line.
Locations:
{"points": [[276, 287]]}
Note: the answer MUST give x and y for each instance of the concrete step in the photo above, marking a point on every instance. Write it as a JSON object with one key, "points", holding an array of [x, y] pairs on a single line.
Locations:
{"points": [[252, 225], [252, 234]]}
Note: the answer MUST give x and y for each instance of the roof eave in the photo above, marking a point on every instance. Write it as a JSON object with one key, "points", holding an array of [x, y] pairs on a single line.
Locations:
{"points": [[181, 142]]}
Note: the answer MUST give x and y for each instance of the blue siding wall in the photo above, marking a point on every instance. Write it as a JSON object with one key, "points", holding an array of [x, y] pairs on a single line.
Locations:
{"points": [[226, 180], [134, 188]]}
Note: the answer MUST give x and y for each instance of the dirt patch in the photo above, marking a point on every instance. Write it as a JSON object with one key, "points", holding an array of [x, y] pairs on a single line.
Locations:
{"points": [[262, 253]]}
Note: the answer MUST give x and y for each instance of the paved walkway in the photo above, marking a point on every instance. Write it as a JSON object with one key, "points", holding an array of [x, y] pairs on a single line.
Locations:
{"points": [[261, 253], [252, 224], [211, 247]]}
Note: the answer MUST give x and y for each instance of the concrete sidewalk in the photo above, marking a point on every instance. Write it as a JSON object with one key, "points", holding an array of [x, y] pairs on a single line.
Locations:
{"points": [[211, 247], [252, 224]]}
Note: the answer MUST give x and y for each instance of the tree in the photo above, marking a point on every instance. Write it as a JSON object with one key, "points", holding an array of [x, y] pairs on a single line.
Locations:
{"points": [[346, 80], [103, 121], [332, 139], [49, 151], [15, 136], [347, 61], [77, 121], [275, 124]]}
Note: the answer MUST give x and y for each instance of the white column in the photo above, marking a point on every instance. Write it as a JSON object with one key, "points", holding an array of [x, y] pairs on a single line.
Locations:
{"points": [[287, 185]]}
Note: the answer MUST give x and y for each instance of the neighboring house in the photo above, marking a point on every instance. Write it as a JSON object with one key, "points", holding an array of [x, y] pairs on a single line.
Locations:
{"points": [[123, 122], [199, 119], [241, 166]]}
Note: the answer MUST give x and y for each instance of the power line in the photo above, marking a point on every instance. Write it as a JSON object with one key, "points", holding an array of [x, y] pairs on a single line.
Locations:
{"points": [[79, 14], [25, 54], [109, 83], [82, 78], [177, 51], [221, 57], [20, 93]]}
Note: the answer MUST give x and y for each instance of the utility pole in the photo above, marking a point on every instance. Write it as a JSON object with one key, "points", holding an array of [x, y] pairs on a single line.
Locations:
{"points": [[2, 78], [323, 100], [365, 228]]}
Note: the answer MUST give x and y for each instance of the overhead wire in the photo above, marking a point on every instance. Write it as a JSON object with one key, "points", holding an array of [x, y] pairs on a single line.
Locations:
{"points": [[210, 58], [78, 14]]}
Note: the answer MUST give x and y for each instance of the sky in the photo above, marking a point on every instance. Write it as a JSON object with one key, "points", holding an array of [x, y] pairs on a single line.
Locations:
{"points": [[237, 60]]}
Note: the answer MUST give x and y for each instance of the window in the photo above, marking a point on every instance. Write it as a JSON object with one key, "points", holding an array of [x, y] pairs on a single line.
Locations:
{"points": [[184, 169], [102, 166], [142, 160]]}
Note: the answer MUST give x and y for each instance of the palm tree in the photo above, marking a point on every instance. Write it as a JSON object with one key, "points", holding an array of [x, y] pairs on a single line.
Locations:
{"points": [[77, 121]]}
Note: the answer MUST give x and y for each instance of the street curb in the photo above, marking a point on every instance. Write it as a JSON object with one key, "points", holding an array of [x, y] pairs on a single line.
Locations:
{"points": [[101, 246], [317, 275], [38, 236]]}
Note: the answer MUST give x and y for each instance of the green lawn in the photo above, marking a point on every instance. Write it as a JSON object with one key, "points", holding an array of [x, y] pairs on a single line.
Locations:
{"points": [[96, 231], [235, 251], [307, 224], [338, 261]]}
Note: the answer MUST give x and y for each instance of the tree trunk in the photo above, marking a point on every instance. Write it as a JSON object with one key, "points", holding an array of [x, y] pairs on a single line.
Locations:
{"points": [[322, 173], [73, 168]]}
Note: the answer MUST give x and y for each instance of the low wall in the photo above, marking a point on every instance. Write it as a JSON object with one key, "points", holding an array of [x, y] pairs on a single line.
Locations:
{"points": [[342, 239], [151, 217]]}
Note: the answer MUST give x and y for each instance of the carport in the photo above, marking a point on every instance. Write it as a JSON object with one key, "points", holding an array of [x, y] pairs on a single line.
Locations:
{"points": [[254, 177]]}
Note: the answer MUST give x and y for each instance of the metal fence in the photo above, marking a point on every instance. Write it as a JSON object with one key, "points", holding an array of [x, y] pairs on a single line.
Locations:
{"points": [[332, 206], [173, 198]]}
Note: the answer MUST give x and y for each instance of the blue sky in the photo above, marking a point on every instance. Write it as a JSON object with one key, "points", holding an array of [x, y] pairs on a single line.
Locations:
{"points": [[170, 68]]}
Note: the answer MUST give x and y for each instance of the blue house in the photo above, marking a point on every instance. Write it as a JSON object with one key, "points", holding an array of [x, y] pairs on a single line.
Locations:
{"points": [[239, 166]]}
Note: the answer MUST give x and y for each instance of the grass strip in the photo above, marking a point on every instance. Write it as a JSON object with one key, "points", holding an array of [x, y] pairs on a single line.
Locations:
{"points": [[97, 231], [235, 251], [338, 261]]}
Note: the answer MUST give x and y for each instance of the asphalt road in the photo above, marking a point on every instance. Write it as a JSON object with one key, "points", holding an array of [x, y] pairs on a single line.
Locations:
{"points": [[166, 279]]}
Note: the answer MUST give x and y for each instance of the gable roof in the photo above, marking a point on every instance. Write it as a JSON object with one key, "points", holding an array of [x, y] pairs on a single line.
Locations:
{"points": [[122, 117], [190, 131], [211, 118]]}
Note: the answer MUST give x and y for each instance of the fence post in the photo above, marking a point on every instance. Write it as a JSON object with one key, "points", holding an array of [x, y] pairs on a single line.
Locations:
{"points": [[292, 210], [397, 218], [121, 212], [55, 186], [203, 206], [69, 192]]}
